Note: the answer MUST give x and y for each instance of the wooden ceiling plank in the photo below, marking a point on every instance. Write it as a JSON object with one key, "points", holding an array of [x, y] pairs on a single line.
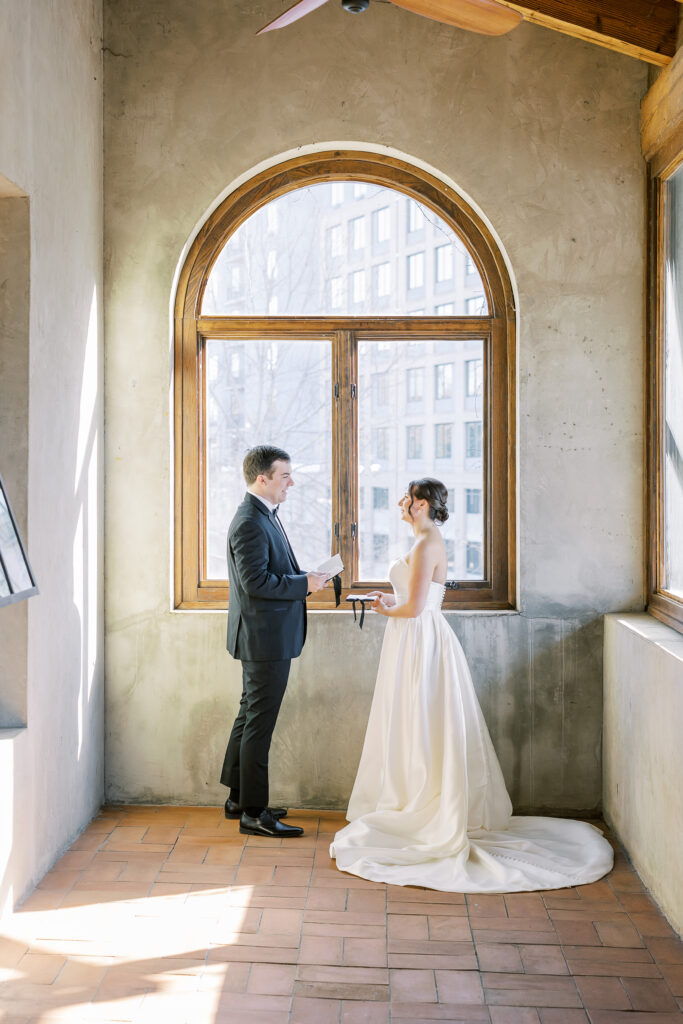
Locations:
{"points": [[645, 29]]}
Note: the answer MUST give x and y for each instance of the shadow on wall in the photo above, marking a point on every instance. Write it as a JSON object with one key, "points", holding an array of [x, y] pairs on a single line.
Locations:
{"points": [[539, 682]]}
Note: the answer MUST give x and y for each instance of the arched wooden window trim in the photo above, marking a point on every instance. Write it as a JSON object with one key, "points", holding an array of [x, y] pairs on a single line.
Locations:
{"points": [[497, 590]]}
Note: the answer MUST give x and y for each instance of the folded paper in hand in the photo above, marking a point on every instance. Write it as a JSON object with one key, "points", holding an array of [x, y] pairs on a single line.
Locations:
{"points": [[332, 569], [332, 566]]}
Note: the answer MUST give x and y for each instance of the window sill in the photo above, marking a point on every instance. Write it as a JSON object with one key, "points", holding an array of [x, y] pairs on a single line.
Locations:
{"points": [[650, 629]]}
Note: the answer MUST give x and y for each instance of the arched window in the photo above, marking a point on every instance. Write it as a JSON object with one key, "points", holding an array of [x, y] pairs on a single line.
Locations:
{"points": [[355, 311]]}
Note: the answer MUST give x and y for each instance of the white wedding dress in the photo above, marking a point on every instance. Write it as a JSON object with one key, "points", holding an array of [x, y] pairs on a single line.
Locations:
{"points": [[429, 805]]}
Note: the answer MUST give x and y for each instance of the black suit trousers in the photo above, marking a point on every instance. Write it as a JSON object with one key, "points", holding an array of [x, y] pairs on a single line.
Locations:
{"points": [[245, 767]]}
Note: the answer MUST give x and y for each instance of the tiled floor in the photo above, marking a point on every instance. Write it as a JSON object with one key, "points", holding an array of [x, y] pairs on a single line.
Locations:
{"points": [[168, 915]]}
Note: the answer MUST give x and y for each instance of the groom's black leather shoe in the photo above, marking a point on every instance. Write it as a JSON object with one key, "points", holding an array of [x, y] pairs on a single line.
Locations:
{"points": [[267, 825], [233, 810]]}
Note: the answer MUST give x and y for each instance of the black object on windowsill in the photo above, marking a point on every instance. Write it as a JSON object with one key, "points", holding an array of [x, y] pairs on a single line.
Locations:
{"points": [[362, 600]]}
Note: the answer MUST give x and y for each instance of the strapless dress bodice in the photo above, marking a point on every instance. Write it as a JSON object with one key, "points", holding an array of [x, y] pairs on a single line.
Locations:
{"points": [[399, 576]]}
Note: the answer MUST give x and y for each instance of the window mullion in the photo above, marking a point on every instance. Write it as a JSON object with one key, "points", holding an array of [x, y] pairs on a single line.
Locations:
{"points": [[345, 454]]}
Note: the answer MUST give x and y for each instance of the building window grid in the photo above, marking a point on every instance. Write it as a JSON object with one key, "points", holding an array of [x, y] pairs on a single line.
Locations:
{"points": [[473, 439], [443, 270], [382, 224], [415, 384], [380, 498], [416, 270], [414, 442], [443, 381], [473, 501], [443, 372], [474, 377], [443, 440]]}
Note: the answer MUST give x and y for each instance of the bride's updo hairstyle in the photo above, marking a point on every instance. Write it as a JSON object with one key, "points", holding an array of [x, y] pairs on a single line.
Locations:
{"points": [[434, 493]]}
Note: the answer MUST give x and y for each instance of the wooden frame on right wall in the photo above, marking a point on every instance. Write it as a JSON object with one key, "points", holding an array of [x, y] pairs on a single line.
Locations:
{"points": [[662, 139]]}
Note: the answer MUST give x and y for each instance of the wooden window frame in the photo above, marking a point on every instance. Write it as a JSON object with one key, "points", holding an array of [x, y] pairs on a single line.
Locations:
{"points": [[664, 605], [496, 591]]}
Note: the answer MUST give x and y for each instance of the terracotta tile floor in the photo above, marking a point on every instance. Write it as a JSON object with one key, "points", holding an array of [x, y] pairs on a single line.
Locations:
{"points": [[167, 914]]}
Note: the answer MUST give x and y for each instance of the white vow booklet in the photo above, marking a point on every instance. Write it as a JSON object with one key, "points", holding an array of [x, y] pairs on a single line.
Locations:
{"points": [[332, 566]]}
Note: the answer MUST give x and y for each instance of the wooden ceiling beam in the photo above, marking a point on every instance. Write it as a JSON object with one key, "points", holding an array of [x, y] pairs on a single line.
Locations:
{"points": [[645, 29]]}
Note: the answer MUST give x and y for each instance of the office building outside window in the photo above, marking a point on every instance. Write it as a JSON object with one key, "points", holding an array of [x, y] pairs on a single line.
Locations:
{"points": [[473, 439], [336, 292], [382, 225], [476, 306], [380, 443], [414, 442], [473, 501], [416, 218], [474, 562], [380, 497], [383, 280], [444, 263], [443, 380], [474, 377], [416, 270], [379, 387], [357, 226], [388, 373], [380, 548], [443, 448], [335, 240]]}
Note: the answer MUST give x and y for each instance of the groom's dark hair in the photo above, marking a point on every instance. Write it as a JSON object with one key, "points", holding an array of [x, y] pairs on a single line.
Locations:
{"points": [[260, 460]]}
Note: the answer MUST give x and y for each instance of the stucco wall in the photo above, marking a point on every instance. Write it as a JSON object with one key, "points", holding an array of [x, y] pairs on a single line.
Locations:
{"points": [[541, 132], [51, 769], [643, 752]]}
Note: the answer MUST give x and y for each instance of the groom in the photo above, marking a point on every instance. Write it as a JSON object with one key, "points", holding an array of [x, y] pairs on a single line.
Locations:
{"points": [[266, 629]]}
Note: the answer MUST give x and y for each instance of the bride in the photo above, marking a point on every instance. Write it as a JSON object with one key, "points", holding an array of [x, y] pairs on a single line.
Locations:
{"points": [[429, 805]]}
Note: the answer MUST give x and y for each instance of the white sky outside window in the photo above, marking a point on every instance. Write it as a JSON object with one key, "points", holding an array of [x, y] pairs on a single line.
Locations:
{"points": [[272, 217]]}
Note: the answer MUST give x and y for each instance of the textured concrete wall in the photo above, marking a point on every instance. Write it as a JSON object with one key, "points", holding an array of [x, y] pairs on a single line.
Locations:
{"points": [[643, 759], [51, 771], [541, 131]]}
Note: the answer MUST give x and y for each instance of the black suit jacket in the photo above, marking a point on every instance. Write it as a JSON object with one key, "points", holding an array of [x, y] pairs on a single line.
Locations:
{"points": [[267, 611]]}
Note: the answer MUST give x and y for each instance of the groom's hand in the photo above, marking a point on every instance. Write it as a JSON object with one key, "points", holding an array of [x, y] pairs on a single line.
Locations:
{"points": [[316, 581]]}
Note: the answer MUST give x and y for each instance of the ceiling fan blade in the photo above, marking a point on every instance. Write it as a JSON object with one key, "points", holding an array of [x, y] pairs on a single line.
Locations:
{"points": [[484, 16], [299, 10]]}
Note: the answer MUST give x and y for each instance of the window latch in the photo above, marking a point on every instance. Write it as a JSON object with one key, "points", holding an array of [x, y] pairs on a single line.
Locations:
{"points": [[354, 530], [336, 390], [336, 530]]}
